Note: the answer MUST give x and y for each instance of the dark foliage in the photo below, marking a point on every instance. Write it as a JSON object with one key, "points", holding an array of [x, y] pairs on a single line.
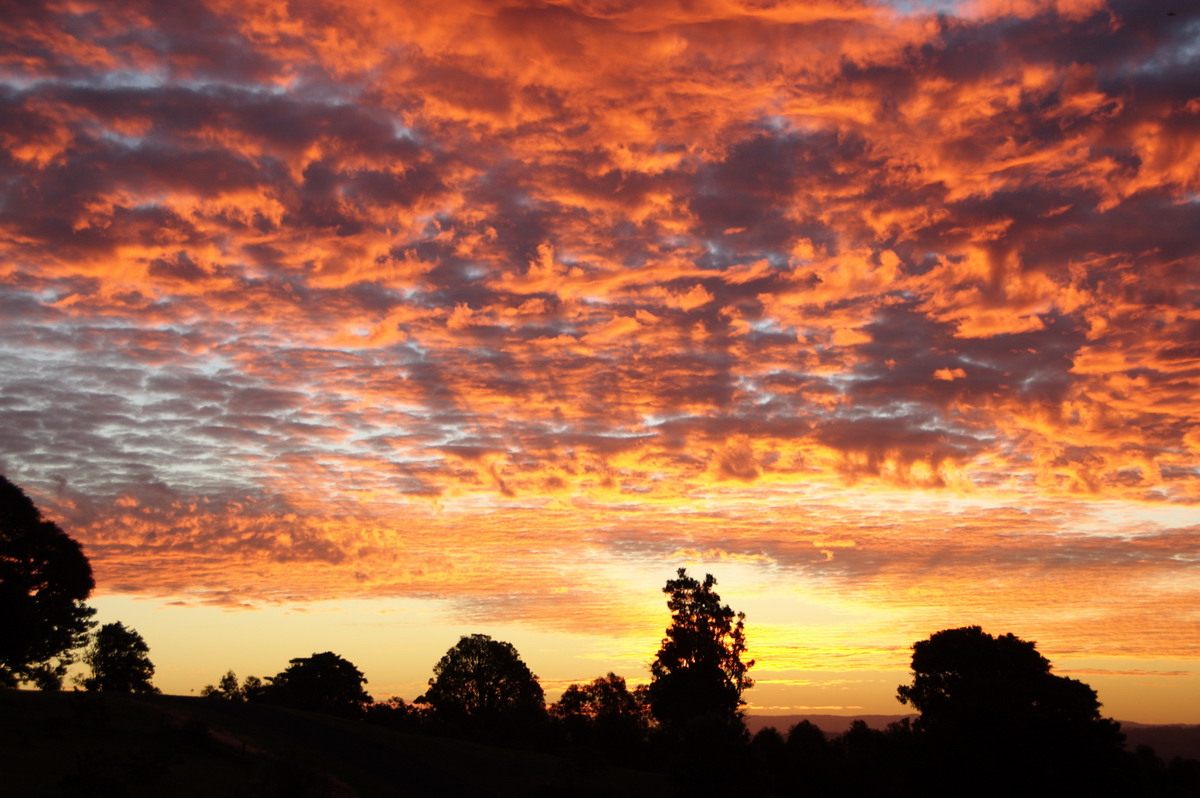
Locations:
{"points": [[870, 762], [809, 761], [395, 713], [44, 579], [696, 688], [226, 689], [861, 762], [989, 705], [994, 721], [707, 755], [698, 675], [323, 682], [253, 688], [605, 715], [482, 688], [768, 759], [119, 661], [1181, 777]]}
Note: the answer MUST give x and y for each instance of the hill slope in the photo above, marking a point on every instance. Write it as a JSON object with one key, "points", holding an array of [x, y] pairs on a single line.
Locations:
{"points": [[60, 744]]}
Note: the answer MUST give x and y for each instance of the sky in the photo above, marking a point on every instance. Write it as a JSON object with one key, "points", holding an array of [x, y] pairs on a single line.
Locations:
{"points": [[360, 326]]}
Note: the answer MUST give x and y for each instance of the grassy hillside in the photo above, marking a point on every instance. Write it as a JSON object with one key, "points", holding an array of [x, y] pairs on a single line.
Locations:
{"points": [[81, 744]]}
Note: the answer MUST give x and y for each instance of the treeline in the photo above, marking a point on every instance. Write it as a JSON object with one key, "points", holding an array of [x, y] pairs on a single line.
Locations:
{"points": [[993, 720]]}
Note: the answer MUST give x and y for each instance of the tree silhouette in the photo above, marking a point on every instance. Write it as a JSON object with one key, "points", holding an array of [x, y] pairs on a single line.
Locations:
{"points": [[253, 688], [396, 714], [699, 670], [989, 705], [323, 682], [44, 579], [604, 697], [768, 754], [696, 688], [227, 688], [119, 661], [481, 685], [604, 713]]}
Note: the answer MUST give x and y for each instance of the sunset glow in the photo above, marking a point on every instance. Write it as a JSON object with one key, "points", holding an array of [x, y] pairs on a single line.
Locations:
{"points": [[359, 326]]}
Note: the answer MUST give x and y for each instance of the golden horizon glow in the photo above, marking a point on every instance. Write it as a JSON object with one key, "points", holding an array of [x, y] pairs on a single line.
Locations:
{"points": [[885, 313]]}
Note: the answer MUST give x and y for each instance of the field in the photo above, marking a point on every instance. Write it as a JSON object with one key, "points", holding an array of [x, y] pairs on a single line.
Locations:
{"points": [[115, 746]]}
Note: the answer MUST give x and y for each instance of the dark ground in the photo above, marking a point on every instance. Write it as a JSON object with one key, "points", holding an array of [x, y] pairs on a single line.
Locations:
{"points": [[56, 745]]}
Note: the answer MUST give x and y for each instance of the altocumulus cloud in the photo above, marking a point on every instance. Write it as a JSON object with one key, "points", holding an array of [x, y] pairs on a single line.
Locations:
{"points": [[401, 295]]}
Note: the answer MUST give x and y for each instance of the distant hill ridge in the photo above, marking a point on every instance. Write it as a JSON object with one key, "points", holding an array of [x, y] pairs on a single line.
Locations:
{"points": [[1167, 740], [830, 724]]}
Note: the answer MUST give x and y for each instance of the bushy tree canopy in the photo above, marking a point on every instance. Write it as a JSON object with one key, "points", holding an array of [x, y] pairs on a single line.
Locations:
{"points": [[119, 661], [604, 697], [604, 713], [484, 681], [991, 705], [966, 677], [323, 682], [699, 672], [44, 579]]}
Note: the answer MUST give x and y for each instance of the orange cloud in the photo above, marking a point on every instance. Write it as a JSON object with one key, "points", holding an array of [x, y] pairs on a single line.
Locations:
{"points": [[300, 296]]}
